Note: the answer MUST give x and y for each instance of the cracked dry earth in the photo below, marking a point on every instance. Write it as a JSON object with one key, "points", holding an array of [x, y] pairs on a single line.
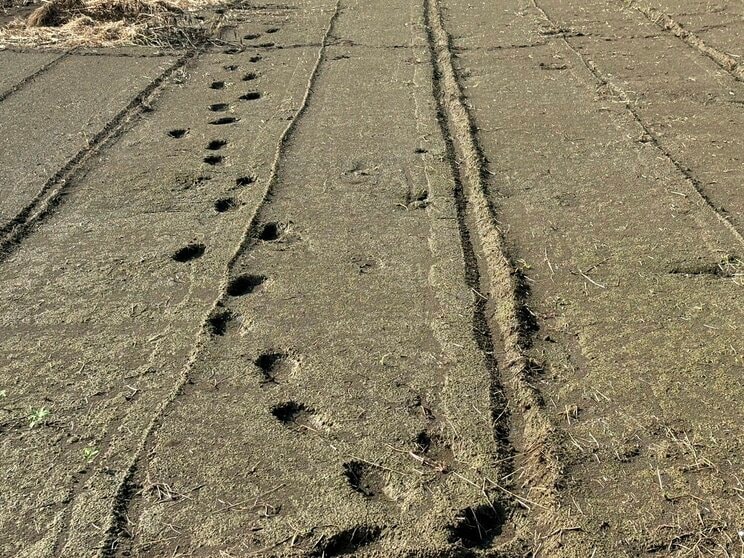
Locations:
{"points": [[378, 278]]}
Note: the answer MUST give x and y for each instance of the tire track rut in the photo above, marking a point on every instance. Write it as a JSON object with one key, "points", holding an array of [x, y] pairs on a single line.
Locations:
{"points": [[531, 431], [32, 76]]}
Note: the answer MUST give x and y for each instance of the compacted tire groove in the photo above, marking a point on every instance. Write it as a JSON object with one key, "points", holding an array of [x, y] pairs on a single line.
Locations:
{"points": [[52, 192], [125, 494], [505, 305], [696, 184], [32, 76], [667, 23]]}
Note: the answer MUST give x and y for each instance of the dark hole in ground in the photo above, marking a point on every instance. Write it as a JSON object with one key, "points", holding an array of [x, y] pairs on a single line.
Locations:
{"points": [[217, 85], [213, 159], [420, 150], [363, 478], [214, 145], [224, 204], [266, 45], [423, 442], [219, 107], [224, 120], [272, 231], [251, 36], [270, 364], [290, 412], [250, 76], [251, 96], [244, 284], [272, 30], [189, 252], [218, 322], [348, 541], [255, 58], [476, 527], [244, 180], [178, 133]]}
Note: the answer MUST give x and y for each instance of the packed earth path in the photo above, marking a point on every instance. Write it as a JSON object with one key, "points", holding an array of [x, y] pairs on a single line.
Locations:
{"points": [[378, 278]]}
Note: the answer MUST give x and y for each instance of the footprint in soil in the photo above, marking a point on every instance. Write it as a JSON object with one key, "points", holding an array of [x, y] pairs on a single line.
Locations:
{"points": [[189, 252], [250, 76], [219, 107], [255, 58], [271, 30], [251, 36], [222, 321], [348, 541], [250, 96], [217, 85], [216, 145], [437, 451], [365, 479], [245, 284], [276, 367], [178, 133], [225, 120], [244, 181], [477, 526], [213, 160], [298, 417], [225, 204]]}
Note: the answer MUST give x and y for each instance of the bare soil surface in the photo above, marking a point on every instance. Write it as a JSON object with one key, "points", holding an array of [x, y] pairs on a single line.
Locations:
{"points": [[378, 278]]}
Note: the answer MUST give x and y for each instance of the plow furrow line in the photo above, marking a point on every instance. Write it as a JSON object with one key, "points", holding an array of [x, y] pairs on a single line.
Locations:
{"points": [[32, 76]]}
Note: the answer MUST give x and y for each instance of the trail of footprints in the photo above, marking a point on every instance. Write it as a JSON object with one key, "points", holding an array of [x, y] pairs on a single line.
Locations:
{"points": [[472, 527]]}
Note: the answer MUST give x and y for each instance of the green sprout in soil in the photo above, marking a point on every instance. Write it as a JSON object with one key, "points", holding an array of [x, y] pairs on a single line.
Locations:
{"points": [[3, 393], [89, 453], [38, 416]]}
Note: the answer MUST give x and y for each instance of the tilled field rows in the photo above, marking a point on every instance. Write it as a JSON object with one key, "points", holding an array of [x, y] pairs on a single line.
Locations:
{"points": [[374, 278]]}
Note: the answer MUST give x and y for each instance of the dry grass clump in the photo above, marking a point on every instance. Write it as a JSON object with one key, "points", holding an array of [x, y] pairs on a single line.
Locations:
{"points": [[72, 23]]}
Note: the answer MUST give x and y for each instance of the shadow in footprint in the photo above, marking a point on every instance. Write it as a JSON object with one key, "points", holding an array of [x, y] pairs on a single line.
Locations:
{"points": [[224, 120], [189, 252]]}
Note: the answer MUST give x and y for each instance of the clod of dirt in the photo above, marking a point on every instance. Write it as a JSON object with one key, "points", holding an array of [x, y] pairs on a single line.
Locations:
{"points": [[225, 204], [244, 284], [476, 527], [189, 252], [348, 541], [178, 133]]}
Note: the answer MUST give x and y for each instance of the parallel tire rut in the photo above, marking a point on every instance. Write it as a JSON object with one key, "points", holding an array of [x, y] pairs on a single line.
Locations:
{"points": [[542, 465], [32, 76]]}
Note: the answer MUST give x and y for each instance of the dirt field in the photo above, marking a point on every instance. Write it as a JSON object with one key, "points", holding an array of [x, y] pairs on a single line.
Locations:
{"points": [[375, 278]]}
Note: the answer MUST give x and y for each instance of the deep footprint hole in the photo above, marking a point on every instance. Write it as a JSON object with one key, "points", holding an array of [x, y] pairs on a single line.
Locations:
{"points": [[272, 231], [251, 36], [250, 76], [274, 366], [293, 414], [255, 58], [364, 478], [217, 85], [219, 107], [348, 541], [189, 252], [213, 159], [219, 321], [245, 284], [244, 180], [178, 133], [251, 96], [216, 145], [225, 204], [224, 120], [272, 30], [476, 527]]}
